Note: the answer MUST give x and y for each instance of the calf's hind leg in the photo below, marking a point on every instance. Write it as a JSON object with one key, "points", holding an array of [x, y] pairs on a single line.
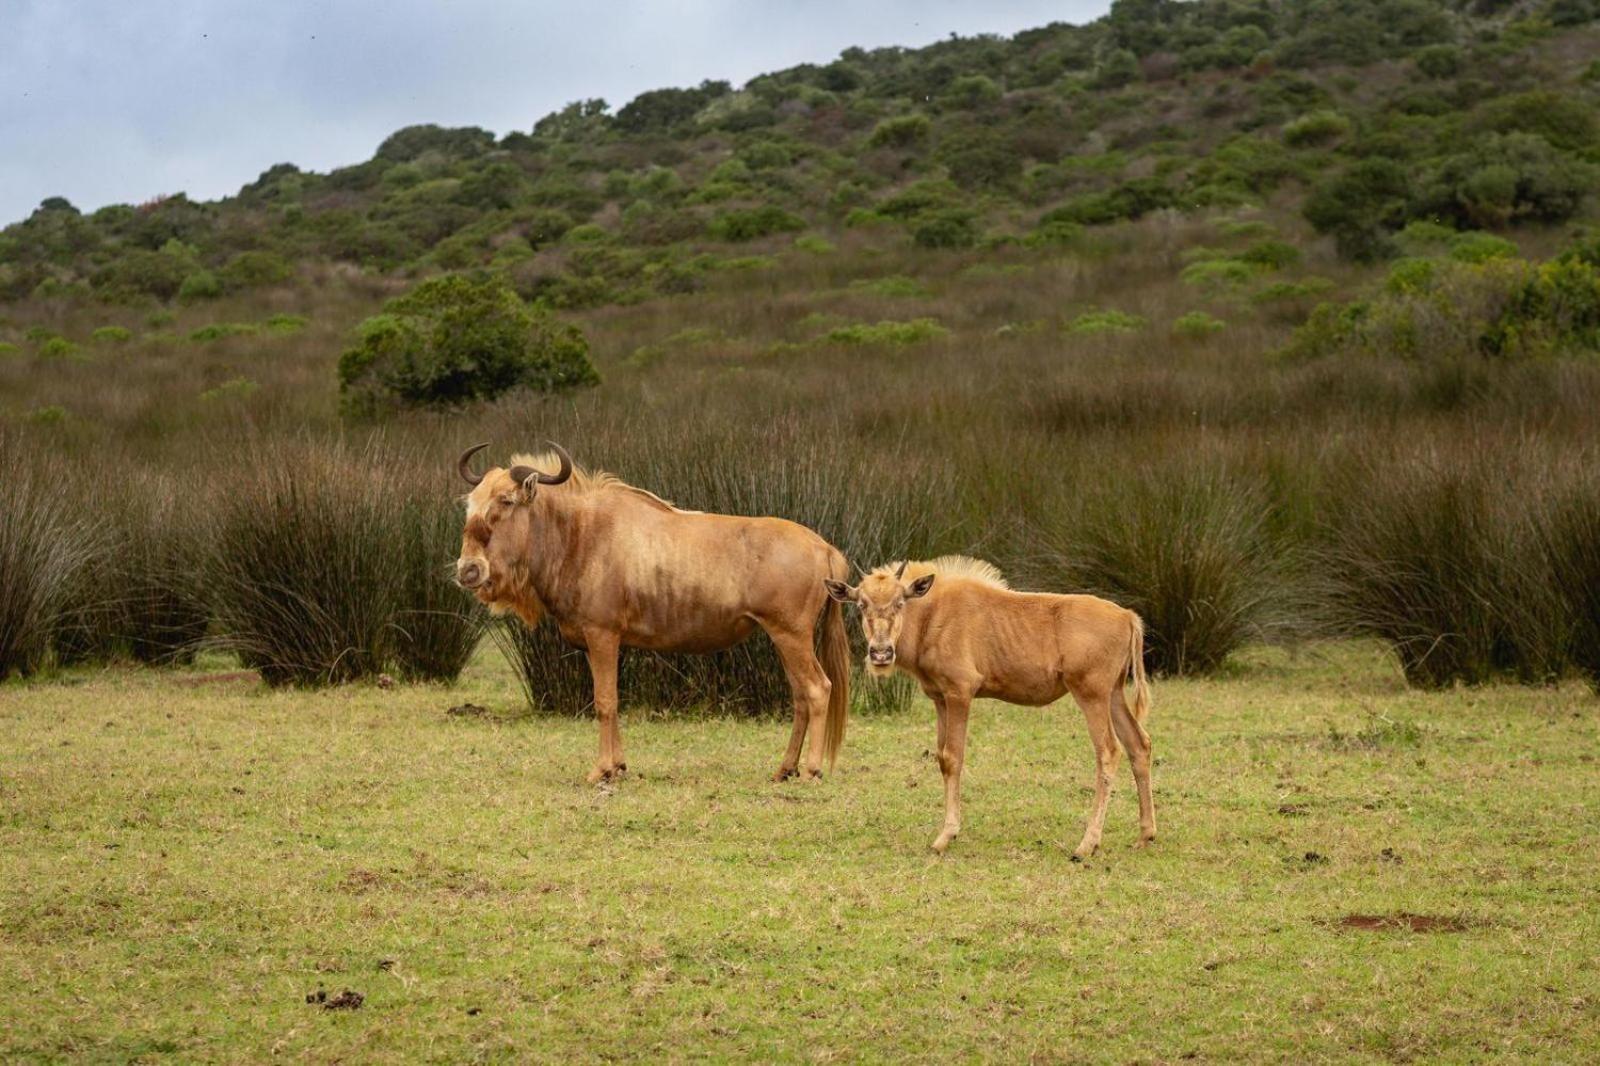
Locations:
{"points": [[1097, 713], [1137, 741]]}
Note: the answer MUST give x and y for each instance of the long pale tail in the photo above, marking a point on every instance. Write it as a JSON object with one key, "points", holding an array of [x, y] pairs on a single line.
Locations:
{"points": [[836, 664], [1140, 704]]}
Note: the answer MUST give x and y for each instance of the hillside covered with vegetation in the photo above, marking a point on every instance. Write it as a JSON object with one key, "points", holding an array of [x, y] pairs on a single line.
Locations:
{"points": [[1363, 115]]}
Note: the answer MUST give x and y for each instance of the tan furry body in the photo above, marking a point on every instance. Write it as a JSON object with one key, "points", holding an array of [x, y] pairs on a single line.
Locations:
{"points": [[615, 566], [963, 634]]}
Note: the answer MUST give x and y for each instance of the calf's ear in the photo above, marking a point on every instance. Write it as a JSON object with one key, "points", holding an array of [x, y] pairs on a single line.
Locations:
{"points": [[839, 590], [920, 586]]}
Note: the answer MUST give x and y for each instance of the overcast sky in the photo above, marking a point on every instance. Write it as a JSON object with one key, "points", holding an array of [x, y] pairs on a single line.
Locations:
{"points": [[116, 101]]}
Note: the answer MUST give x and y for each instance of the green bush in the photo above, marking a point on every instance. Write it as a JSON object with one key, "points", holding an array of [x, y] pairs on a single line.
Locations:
{"points": [[218, 331], [111, 335], [1481, 247], [1438, 60], [1360, 206], [915, 331], [324, 567], [1569, 531], [948, 228], [1270, 255], [1315, 129], [746, 225], [249, 270], [58, 348], [1194, 325], [1435, 558], [285, 323], [1091, 322], [459, 338], [200, 285], [903, 131]]}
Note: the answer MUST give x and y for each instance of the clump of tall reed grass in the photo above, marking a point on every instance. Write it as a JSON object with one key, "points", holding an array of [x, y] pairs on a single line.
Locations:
{"points": [[1437, 555], [45, 544], [323, 570], [1186, 545], [140, 594], [1570, 532]]}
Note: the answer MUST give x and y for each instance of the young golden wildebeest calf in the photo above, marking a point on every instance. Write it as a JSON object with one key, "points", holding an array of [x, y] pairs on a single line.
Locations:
{"points": [[955, 626]]}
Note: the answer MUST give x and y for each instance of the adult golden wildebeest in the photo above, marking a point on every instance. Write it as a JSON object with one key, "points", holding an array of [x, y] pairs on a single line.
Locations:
{"points": [[616, 566], [955, 626]]}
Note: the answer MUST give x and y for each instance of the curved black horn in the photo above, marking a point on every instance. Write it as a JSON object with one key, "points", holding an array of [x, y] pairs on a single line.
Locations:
{"points": [[566, 466], [462, 464], [521, 474], [903, 564]]}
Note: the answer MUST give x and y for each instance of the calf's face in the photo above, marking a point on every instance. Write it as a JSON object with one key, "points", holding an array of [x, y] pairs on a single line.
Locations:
{"points": [[882, 600]]}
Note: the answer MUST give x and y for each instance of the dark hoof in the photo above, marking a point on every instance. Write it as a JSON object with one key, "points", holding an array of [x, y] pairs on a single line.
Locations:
{"points": [[784, 774]]}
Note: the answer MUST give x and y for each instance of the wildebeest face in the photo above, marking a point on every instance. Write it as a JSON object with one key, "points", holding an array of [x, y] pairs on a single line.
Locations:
{"points": [[496, 538], [882, 600], [497, 521]]}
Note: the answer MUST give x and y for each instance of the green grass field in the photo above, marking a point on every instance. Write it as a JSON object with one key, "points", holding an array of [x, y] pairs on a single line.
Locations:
{"points": [[185, 860]]}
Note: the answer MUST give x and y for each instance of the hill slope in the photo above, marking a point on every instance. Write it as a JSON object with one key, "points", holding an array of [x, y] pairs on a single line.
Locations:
{"points": [[1362, 114]]}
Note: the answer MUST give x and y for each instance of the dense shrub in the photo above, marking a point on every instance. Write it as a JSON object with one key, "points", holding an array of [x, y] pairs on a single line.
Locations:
{"points": [[948, 228], [249, 270], [1316, 128], [1448, 308], [200, 285], [903, 131], [916, 331], [746, 225], [1361, 206], [459, 338]]}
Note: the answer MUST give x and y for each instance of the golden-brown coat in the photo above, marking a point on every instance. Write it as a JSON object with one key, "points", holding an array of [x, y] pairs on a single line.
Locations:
{"points": [[613, 566], [955, 626]]}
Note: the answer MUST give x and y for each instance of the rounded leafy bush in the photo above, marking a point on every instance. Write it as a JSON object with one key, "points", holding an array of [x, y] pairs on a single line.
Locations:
{"points": [[200, 285], [458, 338]]}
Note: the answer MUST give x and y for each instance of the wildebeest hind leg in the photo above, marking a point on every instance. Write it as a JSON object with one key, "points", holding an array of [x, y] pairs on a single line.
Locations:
{"points": [[810, 688]]}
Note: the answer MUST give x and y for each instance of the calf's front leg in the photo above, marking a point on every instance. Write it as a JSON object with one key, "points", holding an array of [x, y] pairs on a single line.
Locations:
{"points": [[952, 756]]}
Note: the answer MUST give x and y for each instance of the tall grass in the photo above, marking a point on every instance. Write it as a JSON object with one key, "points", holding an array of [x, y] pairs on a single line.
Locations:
{"points": [[1571, 536], [45, 546], [140, 595], [322, 570], [1186, 546], [1436, 554]]}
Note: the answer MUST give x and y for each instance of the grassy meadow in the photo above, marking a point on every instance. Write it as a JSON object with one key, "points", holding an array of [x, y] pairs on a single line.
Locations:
{"points": [[188, 857], [1276, 323]]}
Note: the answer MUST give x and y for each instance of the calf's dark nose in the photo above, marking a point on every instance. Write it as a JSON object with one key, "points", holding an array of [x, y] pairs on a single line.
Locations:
{"points": [[469, 574]]}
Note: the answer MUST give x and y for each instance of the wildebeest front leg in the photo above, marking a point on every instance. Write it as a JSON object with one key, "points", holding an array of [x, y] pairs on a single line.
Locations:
{"points": [[604, 648], [952, 757]]}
